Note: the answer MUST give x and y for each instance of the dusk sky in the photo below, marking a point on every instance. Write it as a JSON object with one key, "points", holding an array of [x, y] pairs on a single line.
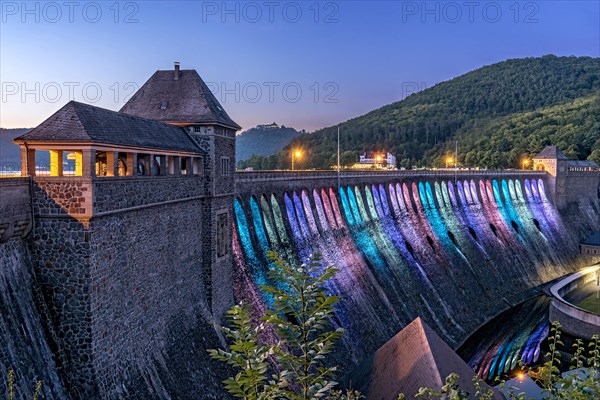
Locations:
{"points": [[300, 64]]}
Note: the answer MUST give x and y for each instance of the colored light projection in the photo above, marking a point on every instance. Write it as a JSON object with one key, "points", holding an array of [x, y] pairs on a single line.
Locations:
{"points": [[450, 252]]}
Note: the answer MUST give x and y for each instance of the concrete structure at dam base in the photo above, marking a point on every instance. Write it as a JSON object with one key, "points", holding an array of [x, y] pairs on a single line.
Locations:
{"points": [[574, 320]]}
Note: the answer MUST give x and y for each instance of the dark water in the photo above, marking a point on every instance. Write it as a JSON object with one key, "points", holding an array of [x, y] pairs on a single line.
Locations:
{"points": [[515, 336]]}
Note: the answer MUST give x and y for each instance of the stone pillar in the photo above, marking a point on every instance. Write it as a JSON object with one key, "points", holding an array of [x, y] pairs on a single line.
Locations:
{"points": [[163, 165], [197, 165], [78, 163], [27, 161], [56, 163], [112, 163], [132, 161], [88, 162], [170, 165], [147, 164], [177, 165], [189, 167]]}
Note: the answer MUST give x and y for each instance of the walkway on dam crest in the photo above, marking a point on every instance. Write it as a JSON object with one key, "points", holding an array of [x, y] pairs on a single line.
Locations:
{"points": [[254, 182]]}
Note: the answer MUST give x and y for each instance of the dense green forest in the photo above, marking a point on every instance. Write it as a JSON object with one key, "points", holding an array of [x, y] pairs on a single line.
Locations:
{"points": [[498, 114]]}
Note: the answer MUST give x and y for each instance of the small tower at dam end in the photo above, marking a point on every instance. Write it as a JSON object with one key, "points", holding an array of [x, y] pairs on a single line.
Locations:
{"points": [[569, 180], [132, 246]]}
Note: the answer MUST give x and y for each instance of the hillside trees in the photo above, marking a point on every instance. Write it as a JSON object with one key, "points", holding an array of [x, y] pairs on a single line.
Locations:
{"points": [[513, 108]]}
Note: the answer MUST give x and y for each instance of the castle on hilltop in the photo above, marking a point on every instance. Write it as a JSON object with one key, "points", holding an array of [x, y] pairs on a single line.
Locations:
{"points": [[268, 126]]}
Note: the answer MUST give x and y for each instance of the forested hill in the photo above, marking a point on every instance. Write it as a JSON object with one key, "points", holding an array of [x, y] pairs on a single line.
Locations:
{"points": [[263, 140], [486, 110], [10, 156]]}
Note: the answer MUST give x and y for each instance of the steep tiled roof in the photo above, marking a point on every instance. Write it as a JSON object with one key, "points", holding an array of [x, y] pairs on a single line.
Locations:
{"points": [[416, 357], [186, 99], [78, 122], [552, 153]]}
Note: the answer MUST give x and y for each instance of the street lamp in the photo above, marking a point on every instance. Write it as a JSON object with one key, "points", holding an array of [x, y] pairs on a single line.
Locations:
{"points": [[377, 160], [295, 154], [449, 161], [525, 163]]}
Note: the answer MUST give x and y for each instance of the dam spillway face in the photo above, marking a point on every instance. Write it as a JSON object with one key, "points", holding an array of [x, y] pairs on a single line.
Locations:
{"points": [[455, 253]]}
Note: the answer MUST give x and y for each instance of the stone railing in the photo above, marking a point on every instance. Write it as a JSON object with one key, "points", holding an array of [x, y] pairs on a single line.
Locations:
{"points": [[125, 193], [83, 198], [575, 321], [252, 176], [249, 183], [15, 208]]}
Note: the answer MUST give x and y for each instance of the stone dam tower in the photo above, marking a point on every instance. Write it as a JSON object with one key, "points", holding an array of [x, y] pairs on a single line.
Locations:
{"points": [[132, 249]]}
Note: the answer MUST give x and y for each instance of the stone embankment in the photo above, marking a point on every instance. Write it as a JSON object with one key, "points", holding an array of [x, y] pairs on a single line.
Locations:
{"points": [[574, 320]]}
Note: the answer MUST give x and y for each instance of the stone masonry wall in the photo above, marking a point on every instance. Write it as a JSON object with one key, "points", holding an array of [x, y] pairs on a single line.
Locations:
{"points": [[15, 208], [60, 196], [218, 270], [224, 146], [581, 184], [146, 280], [24, 347], [126, 192], [128, 284], [61, 249]]}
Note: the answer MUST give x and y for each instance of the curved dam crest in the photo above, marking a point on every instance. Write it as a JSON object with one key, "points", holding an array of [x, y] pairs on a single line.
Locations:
{"points": [[454, 251]]}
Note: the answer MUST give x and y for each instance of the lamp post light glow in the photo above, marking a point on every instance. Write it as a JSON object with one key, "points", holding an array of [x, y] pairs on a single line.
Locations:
{"points": [[295, 154], [525, 163], [449, 161], [378, 159]]}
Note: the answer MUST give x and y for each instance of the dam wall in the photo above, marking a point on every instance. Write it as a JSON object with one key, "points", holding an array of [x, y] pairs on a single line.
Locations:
{"points": [[455, 248], [111, 284], [24, 344], [15, 208]]}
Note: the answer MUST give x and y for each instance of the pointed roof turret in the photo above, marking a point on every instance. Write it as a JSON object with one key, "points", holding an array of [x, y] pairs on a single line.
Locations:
{"points": [[178, 96], [83, 123], [416, 357], [551, 153]]}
